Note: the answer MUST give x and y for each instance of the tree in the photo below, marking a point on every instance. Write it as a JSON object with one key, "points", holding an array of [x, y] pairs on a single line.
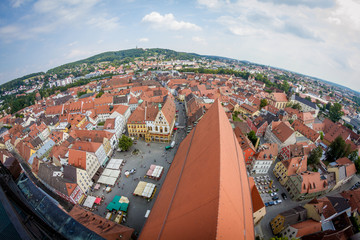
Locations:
{"points": [[338, 149], [321, 136], [308, 98], [348, 126], [99, 94], [357, 165], [263, 103], [79, 94], [335, 112], [285, 86], [296, 106], [353, 156], [252, 137], [125, 143], [328, 106], [315, 155]]}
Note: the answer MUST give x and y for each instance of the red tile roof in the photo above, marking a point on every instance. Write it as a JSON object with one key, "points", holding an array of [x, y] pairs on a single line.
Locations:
{"points": [[305, 131], [77, 158], [279, 97], [257, 201], [101, 226], [169, 109], [120, 109], [206, 192], [312, 182], [282, 131], [86, 146], [349, 166], [295, 165], [307, 227], [354, 199]]}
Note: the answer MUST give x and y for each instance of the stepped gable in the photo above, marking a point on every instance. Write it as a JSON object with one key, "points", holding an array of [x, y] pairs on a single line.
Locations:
{"points": [[206, 193]]}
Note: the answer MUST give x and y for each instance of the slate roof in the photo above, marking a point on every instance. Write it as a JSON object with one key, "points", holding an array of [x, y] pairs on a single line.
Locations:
{"points": [[305, 101]]}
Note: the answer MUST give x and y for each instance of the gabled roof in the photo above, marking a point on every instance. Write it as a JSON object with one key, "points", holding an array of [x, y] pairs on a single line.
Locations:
{"points": [[305, 101], [77, 158], [206, 192], [279, 97], [169, 109], [312, 182], [323, 206], [282, 131], [257, 201], [307, 227], [354, 198], [244, 142], [295, 165], [305, 131], [86, 146], [349, 166], [120, 109], [105, 228]]}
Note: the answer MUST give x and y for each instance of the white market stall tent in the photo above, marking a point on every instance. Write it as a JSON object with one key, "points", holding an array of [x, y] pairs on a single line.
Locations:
{"points": [[155, 172], [145, 189], [109, 176], [89, 201], [114, 163]]}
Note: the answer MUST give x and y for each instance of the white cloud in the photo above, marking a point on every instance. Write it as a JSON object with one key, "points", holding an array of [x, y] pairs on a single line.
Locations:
{"points": [[199, 40], [17, 3], [347, 12], [211, 3], [73, 43], [143, 40], [77, 54], [168, 22], [107, 24]]}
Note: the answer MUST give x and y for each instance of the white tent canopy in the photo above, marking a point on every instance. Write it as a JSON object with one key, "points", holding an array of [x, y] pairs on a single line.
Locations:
{"points": [[109, 176], [89, 202], [107, 180], [114, 163], [144, 189], [155, 171]]}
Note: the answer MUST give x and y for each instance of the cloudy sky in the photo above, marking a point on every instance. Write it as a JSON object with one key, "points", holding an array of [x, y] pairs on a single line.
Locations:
{"points": [[320, 38]]}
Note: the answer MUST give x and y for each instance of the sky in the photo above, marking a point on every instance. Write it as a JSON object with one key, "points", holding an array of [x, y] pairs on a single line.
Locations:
{"points": [[320, 38]]}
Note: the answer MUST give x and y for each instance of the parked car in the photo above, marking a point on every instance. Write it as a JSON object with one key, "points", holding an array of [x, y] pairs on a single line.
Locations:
{"points": [[271, 203], [273, 194], [275, 198], [277, 202], [266, 204], [284, 196]]}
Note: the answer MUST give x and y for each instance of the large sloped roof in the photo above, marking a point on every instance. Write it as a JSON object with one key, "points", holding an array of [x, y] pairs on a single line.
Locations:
{"points": [[206, 193]]}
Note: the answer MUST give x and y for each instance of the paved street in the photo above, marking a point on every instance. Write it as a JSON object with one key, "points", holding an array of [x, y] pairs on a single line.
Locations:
{"points": [[155, 153]]}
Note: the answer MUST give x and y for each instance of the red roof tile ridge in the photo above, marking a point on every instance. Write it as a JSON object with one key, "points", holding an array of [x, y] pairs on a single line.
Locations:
{"points": [[226, 176]]}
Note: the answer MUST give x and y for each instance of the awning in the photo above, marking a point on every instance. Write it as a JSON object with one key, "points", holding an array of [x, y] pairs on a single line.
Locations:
{"points": [[97, 200], [124, 207], [89, 202]]}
